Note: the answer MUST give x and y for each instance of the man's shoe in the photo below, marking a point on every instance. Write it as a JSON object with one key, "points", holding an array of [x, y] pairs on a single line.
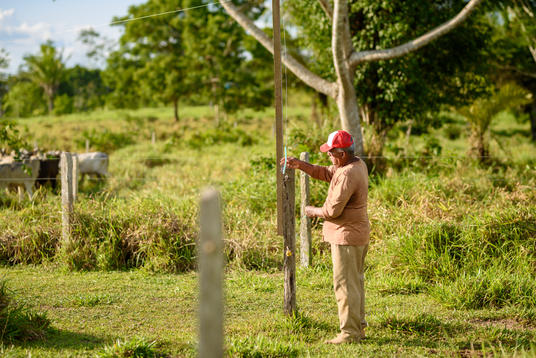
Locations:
{"points": [[341, 339]]}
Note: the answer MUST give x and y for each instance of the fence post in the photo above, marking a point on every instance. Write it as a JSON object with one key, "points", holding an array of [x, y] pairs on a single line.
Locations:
{"points": [[75, 177], [87, 145], [153, 137], [66, 196], [289, 235], [305, 221], [211, 264]]}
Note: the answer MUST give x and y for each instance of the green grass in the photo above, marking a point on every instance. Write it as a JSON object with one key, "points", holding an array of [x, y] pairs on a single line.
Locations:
{"points": [[163, 309], [450, 272]]}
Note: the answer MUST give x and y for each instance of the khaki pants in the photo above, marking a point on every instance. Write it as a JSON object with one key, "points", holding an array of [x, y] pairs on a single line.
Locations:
{"points": [[349, 286]]}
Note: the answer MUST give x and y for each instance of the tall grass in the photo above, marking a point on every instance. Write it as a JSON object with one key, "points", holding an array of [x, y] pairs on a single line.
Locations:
{"points": [[441, 224]]}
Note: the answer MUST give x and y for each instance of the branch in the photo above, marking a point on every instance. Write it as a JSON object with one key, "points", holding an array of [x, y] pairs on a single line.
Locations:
{"points": [[413, 45], [312, 80], [516, 70], [326, 6]]}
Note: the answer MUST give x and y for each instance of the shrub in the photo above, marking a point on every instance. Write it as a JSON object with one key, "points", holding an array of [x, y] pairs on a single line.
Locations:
{"points": [[105, 140], [223, 134], [63, 105]]}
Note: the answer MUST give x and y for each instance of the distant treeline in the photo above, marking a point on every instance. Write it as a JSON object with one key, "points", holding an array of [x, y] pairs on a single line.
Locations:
{"points": [[203, 56]]}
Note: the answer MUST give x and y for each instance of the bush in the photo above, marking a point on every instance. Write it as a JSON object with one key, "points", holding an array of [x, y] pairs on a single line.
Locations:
{"points": [[105, 140], [223, 134], [63, 105], [17, 322]]}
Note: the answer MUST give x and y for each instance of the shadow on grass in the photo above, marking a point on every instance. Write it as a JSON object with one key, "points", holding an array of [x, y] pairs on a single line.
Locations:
{"points": [[511, 132], [423, 330], [60, 339]]}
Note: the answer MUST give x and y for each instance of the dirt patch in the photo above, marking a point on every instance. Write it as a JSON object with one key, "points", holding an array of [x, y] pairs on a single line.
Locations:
{"points": [[507, 323]]}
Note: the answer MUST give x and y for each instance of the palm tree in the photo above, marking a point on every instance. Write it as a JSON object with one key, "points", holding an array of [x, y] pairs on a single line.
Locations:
{"points": [[481, 113], [46, 70]]}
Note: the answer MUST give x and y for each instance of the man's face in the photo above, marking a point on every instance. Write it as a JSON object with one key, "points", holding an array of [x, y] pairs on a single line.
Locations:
{"points": [[337, 157]]}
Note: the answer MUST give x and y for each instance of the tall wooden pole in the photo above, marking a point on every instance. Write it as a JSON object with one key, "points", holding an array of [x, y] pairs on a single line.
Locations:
{"points": [[305, 222], [289, 235], [278, 80], [210, 276]]}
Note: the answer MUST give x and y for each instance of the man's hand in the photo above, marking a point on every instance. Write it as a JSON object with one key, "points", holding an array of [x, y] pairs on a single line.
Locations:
{"points": [[312, 211], [292, 163]]}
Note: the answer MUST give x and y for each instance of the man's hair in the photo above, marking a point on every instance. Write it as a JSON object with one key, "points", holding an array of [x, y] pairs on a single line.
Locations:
{"points": [[350, 150]]}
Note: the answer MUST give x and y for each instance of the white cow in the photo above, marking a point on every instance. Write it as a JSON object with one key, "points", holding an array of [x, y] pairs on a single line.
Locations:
{"points": [[95, 163], [19, 174]]}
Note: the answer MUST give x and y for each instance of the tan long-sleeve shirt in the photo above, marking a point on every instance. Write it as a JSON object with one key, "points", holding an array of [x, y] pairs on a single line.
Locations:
{"points": [[345, 208]]}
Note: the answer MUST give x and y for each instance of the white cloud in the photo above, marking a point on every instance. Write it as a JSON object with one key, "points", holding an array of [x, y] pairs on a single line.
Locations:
{"points": [[40, 30], [6, 13]]}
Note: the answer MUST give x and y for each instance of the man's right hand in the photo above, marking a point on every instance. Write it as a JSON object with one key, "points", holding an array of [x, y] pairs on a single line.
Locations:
{"points": [[292, 163]]}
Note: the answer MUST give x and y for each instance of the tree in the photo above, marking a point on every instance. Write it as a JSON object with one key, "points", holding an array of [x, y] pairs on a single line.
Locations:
{"points": [[217, 47], [192, 53], [347, 53], [46, 70], [157, 43], [481, 113], [514, 49], [4, 62], [84, 86], [24, 98]]}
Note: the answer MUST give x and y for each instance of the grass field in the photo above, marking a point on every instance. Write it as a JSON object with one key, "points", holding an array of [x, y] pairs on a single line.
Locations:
{"points": [[451, 270]]}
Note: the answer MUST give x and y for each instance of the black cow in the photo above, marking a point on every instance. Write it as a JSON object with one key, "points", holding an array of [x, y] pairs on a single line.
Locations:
{"points": [[48, 172]]}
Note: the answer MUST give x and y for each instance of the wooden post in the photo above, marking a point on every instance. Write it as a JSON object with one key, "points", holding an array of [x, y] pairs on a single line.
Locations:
{"points": [[289, 235], [153, 137], [76, 169], [211, 264], [278, 85], [305, 221], [66, 196], [87, 145]]}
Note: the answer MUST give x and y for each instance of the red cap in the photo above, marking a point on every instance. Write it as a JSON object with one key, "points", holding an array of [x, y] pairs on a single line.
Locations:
{"points": [[337, 139]]}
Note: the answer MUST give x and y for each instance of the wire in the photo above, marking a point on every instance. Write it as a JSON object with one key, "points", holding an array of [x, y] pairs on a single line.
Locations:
{"points": [[153, 15], [285, 106]]}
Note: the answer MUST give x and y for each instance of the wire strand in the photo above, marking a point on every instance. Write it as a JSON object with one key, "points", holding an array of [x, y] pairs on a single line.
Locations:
{"points": [[151, 15]]}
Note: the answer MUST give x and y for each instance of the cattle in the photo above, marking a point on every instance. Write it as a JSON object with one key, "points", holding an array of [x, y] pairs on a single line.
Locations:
{"points": [[48, 171], [95, 163], [20, 174]]}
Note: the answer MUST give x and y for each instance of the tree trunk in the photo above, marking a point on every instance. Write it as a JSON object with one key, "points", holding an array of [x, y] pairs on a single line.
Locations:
{"points": [[349, 115], [49, 93], [478, 148], [532, 116], [346, 97], [176, 109]]}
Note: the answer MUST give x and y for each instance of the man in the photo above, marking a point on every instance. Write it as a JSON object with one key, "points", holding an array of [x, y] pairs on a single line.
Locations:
{"points": [[346, 228]]}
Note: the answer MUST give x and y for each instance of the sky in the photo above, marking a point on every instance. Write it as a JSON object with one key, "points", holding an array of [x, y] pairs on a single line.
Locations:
{"points": [[26, 24]]}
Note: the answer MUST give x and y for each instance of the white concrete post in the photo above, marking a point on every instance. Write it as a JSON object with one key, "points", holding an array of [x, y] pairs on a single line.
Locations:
{"points": [[210, 250], [66, 196]]}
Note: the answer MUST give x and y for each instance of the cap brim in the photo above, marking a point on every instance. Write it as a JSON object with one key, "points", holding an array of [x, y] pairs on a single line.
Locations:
{"points": [[324, 148]]}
